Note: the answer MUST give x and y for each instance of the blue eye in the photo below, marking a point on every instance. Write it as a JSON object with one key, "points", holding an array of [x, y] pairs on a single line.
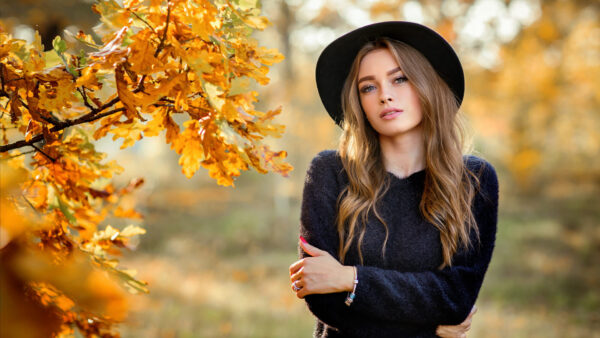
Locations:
{"points": [[400, 79], [367, 88]]}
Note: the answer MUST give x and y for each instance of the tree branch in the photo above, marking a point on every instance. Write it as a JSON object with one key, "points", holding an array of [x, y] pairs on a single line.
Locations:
{"points": [[86, 102], [13, 156], [52, 120], [63, 125], [142, 20], [2, 79], [43, 153], [30, 204], [164, 37]]}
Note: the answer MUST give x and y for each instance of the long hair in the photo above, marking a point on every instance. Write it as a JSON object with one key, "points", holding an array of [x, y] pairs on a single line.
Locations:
{"points": [[449, 184]]}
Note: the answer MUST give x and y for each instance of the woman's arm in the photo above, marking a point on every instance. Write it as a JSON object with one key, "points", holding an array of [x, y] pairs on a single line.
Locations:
{"points": [[318, 228], [421, 298]]}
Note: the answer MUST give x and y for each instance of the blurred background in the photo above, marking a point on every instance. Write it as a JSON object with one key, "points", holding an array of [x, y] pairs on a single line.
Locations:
{"points": [[217, 258]]}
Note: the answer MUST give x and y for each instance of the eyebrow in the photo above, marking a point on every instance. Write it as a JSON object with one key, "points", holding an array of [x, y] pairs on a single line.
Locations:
{"points": [[371, 77]]}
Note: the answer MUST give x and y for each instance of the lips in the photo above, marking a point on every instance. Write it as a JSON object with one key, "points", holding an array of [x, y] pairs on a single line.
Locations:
{"points": [[390, 113]]}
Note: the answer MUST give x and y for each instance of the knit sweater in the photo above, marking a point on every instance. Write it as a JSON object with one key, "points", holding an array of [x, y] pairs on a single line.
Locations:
{"points": [[403, 294]]}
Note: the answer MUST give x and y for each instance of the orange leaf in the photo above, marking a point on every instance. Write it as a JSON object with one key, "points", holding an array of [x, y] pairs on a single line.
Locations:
{"points": [[129, 100]]}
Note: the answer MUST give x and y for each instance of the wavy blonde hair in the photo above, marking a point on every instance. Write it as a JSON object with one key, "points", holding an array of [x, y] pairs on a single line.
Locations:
{"points": [[449, 184]]}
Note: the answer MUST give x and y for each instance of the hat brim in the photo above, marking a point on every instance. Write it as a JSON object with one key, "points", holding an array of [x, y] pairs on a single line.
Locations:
{"points": [[336, 59]]}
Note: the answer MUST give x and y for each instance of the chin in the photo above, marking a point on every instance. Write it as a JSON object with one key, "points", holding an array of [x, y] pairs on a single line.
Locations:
{"points": [[392, 130], [395, 131]]}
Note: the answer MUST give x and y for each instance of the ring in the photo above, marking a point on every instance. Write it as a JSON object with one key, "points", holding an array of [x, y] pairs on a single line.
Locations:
{"points": [[296, 287]]}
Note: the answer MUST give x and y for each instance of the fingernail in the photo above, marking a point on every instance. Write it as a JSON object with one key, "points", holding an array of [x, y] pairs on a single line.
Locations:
{"points": [[303, 240]]}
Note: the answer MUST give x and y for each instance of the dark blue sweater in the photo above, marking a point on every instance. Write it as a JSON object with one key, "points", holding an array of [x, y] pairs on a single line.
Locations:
{"points": [[403, 294]]}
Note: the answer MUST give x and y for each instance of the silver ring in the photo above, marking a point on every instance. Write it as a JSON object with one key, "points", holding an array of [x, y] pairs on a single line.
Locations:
{"points": [[296, 287]]}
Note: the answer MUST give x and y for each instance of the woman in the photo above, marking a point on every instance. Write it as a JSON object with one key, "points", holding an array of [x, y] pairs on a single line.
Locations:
{"points": [[397, 226]]}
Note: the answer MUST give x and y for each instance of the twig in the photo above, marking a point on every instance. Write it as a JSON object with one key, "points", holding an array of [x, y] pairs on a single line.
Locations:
{"points": [[86, 102], [163, 105], [52, 120], [13, 156], [110, 112], [108, 104], [161, 45], [142, 20], [43, 153], [30, 204], [16, 79], [2, 77], [164, 37]]}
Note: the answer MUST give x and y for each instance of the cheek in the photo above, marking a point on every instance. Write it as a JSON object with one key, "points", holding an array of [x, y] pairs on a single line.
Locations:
{"points": [[368, 105], [415, 103], [419, 110], [367, 109]]}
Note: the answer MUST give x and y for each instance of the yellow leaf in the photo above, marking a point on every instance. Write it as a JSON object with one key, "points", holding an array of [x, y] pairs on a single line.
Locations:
{"points": [[132, 230], [88, 79], [189, 145], [213, 93], [239, 85], [141, 57], [269, 56], [109, 233], [130, 213], [258, 22]]}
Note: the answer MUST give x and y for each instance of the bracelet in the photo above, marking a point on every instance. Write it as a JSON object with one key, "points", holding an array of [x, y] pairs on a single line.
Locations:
{"points": [[350, 297]]}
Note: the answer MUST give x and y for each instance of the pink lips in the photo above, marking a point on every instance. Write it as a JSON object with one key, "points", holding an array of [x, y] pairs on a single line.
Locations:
{"points": [[390, 113]]}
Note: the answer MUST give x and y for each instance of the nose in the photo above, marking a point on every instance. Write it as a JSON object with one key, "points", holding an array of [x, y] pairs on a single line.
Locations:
{"points": [[385, 99], [385, 96]]}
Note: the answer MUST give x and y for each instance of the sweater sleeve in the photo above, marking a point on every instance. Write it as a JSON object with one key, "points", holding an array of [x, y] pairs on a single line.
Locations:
{"points": [[441, 296], [318, 215], [317, 226]]}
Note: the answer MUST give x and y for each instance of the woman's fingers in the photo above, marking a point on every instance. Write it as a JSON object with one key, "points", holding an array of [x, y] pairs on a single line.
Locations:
{"points": [[473, 311], [296, 276], [297, 285], [456, 331], [314, 274], [447, 331], [466, 324], [310, 249], [297, 265], [303, 291]]}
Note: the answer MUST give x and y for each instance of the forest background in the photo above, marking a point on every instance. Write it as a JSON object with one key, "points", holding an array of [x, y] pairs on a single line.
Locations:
{"points": [[216, 257]]}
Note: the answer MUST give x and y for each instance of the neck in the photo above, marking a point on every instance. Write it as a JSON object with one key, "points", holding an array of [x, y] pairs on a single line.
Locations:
{"points": [[403, 155]]}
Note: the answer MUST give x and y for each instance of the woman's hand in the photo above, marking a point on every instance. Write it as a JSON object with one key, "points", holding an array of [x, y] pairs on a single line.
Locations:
{"points": [[320, 273], [456, 331]]}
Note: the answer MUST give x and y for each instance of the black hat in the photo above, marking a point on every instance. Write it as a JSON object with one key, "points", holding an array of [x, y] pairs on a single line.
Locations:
{"points": [[336, 59]]}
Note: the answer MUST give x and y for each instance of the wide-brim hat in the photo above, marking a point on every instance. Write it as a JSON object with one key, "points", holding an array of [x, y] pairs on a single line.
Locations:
{"points": [[336, 59]]}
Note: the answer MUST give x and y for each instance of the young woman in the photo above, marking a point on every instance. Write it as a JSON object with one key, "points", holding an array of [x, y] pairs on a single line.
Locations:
{"points": [[397, 225]]}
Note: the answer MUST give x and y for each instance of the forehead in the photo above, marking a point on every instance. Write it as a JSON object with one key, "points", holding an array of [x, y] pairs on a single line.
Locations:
{"points": [[377, 61]]}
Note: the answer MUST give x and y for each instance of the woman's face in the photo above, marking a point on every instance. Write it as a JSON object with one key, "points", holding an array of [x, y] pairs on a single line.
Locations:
{"points": [[389, 101]]}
